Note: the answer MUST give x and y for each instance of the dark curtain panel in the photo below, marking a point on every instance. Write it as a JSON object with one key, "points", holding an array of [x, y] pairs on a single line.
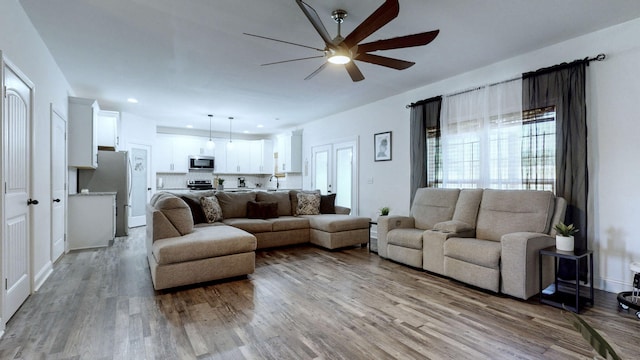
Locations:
{"points": [[563, 86], [425, 117]]}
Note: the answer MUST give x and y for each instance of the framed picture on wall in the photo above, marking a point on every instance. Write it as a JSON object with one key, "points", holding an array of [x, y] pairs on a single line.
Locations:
{"points": [[382, 146]]}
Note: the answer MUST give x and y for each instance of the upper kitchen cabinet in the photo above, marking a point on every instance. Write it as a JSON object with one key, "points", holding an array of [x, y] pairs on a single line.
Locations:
{"points": [[108, 124], [171, 153], [289, 149], [83, 133], [261, 157]]}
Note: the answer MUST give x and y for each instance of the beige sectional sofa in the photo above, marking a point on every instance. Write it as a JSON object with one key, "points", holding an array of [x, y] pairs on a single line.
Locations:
{"points": [[183, 248], [486, 238]]}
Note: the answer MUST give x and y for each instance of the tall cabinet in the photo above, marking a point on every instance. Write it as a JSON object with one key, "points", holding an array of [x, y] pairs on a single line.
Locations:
{"points": [[83, 133]]}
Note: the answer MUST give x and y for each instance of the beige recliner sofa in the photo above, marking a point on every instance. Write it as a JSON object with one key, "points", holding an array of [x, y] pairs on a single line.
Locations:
{"points": [[488, 238]]}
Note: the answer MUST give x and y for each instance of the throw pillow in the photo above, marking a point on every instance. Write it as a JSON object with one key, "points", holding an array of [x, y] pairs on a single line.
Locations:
{"points": [[262, 210], [211, 208], [281, 197], [293, 194], [196, 210], [308, 204], [328, 204]]}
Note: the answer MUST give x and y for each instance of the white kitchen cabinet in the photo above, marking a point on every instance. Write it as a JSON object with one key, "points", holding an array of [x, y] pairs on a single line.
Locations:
{"points": [[170, 154], [108, 130], [289, 149], [92, 220], [238, 159], [261, 157], [83, 133]]}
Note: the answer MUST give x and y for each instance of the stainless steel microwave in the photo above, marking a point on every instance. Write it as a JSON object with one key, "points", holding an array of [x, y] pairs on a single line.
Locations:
{"points": [[201, 162]]}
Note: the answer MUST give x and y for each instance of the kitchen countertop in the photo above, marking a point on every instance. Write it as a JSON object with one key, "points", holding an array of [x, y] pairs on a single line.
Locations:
{"points": [[96, 193]]}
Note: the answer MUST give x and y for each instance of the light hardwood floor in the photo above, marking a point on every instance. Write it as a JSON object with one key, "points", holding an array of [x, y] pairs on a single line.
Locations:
{"points": [[301, 303]]}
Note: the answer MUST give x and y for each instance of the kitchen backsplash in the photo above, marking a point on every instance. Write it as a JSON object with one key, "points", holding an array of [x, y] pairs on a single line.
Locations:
{"points": [[179, 181]]}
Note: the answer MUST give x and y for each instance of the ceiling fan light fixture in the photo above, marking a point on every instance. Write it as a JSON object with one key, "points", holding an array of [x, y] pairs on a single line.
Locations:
{"points": [[339, 59]]}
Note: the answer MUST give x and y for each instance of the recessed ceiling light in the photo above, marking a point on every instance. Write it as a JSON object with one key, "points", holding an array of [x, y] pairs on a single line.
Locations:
{"points": [[132, 100], [189, 126], [260, 126], [246, 131]]}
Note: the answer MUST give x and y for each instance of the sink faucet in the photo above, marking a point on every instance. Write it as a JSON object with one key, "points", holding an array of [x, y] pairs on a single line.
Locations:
{"points": [[277, 182]]}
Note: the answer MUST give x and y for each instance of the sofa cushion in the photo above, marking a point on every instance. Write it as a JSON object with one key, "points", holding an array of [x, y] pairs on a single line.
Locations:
{"points": [[234, 205], [281, 197], [203, 242], [211, 208], [506, 211], [177, 212], [409, 238], [262, 210], [293, 196], [253, 226], [285, 223], [333, 223], [431, 206], [328, 204], [308, 204], [484, 253], [467, 206], [196, 210]]}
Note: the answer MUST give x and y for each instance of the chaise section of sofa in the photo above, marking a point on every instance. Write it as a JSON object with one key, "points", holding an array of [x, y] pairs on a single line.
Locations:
{"points": [[181, 254]]}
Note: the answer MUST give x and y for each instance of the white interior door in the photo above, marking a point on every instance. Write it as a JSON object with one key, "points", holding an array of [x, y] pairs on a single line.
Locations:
{"points": [[140, 188], [58, 183], [16, 175], [334, 171]]}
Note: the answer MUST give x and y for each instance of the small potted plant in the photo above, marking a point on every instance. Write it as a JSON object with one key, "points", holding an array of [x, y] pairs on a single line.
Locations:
{"points": [[384, 211], [564, 236], [220, 184]]}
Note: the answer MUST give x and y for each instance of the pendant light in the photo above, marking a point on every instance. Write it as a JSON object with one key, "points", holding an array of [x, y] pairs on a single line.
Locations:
{"points": [[230, 144], [210, 143]]}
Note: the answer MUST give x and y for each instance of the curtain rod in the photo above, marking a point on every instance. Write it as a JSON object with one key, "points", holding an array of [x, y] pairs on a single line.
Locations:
{"points": [[599, 57]]}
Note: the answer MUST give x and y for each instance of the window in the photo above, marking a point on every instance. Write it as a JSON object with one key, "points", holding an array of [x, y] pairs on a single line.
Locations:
{"points": [[487, 141], [539, 149]]}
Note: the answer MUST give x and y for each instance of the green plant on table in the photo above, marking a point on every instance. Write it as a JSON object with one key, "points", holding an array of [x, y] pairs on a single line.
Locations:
{"points": [[220, 181], [384, 211], [565, 230]]}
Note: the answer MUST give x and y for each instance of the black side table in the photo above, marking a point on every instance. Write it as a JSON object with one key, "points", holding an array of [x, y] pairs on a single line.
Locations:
{"points": [[371, 223], [561, 298]]}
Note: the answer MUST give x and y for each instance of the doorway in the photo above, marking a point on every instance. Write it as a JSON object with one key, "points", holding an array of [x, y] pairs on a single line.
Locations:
{"points": [[58, 183], [334, 170], [140, 188], [16, 175]]}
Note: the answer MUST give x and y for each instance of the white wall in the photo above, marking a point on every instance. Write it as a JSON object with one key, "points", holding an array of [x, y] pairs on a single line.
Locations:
{"points": [[614, 125], [21, 44]]}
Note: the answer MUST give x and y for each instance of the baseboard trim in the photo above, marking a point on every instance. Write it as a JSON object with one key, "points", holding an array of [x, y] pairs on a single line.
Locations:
{"points": [[42, 275]]}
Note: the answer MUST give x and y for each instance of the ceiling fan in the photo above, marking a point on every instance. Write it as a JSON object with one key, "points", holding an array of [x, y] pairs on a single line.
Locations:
{"points": [[344, 50]]}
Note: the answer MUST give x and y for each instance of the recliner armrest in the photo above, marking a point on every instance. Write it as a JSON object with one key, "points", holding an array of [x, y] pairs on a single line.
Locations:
{"points": [[388, 223], [519, 263]]}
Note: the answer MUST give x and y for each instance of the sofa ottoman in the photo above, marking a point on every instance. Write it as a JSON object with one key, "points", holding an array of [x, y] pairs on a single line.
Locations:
{"points": [[334, 231]]}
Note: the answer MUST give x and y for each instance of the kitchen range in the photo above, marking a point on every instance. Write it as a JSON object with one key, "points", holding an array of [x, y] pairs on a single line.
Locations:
{"points": [[205, 184]]}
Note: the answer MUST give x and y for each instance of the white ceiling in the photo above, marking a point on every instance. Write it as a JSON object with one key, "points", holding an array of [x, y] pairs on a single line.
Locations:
{"points": [[185, 59]]}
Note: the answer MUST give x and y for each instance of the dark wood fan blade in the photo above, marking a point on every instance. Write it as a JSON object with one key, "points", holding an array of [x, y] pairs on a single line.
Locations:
{"points": [[286, 61], [317, 71], [385, 13], [399, 42], [354, 71], [385, 61], [282, 41], [313, 17]]}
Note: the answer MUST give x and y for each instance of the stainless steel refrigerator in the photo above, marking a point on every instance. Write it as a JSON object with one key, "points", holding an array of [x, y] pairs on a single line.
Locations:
{"points": [[112, 174]]}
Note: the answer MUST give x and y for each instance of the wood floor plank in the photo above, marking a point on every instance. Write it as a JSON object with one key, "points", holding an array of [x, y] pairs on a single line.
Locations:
{"points": [[301, 303]]}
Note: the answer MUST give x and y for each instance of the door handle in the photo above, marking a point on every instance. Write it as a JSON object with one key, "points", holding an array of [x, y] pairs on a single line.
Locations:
{"points": [[148, 189], [32, 202], [56, 200]]}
